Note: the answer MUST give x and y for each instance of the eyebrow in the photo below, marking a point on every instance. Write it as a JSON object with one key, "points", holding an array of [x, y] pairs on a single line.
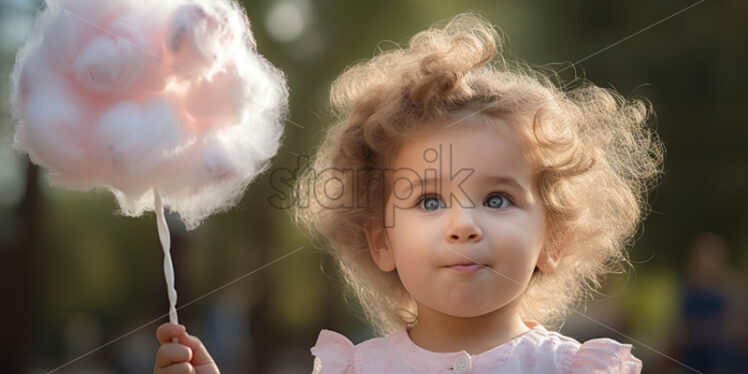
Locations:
{"points": [[492, 180], [506, 180]]}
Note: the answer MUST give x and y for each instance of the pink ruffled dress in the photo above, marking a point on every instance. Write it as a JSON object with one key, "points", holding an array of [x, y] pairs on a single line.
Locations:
{"points": [[536, 351]]}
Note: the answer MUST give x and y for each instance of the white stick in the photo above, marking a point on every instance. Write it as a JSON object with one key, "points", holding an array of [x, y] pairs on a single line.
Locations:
{"points": [[163, 234]]}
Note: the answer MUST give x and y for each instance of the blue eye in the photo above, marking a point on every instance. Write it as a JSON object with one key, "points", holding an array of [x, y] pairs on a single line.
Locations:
{"points": [[430, 203], [497, 201]]}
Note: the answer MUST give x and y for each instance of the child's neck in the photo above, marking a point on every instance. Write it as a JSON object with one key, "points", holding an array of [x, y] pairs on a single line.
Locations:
{"points": [[438, 332]]}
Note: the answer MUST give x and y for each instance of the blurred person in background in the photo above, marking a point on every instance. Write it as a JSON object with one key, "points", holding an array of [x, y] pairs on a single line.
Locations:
{"points": [[711, 320]]}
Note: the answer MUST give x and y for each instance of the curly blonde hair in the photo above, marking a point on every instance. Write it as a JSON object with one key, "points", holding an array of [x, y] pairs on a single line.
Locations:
{"points": [[594, 161]]}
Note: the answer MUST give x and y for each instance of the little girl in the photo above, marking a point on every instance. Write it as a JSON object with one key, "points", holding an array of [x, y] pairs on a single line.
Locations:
{"points": [[468, 203]]}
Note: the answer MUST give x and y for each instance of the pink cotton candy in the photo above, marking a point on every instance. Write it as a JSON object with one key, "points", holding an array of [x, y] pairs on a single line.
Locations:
{"points": [[135, 95]]}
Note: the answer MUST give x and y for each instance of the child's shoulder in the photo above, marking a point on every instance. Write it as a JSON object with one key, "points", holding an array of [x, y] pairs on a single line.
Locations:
{"points": [[335, 353], [537, 351], [546, 347]]}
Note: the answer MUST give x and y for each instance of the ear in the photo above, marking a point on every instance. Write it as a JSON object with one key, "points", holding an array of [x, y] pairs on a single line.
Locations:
{"points": [[551, 252], [548, 260], [379, 246]]}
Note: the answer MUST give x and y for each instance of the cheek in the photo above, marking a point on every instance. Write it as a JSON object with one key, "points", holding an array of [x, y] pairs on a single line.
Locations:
{"points": [[411, 230], [416, 275], [413, 249], [414, 244], [516, 246]]}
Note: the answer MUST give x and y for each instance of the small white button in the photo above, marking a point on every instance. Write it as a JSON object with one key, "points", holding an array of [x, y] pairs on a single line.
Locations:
{"points": [[462, 364]]}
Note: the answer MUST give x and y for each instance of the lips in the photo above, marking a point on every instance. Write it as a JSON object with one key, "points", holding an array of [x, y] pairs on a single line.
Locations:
{"points": [[467, 267]]}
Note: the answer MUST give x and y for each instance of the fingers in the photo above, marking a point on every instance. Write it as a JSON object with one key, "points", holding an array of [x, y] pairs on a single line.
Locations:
{"points": [[181, 368], [171, 353], [200, 355], [166, 332]]}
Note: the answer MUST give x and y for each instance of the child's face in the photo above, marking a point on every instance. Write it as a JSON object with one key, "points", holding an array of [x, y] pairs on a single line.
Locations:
{"points": [[495, 223]]}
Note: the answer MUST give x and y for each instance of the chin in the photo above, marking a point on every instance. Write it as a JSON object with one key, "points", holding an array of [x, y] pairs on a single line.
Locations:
{"points": [[468, 311], [466, 314]]}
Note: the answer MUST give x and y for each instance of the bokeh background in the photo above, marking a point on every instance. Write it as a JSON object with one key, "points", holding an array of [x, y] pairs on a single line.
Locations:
{"points": [[81, 287]]}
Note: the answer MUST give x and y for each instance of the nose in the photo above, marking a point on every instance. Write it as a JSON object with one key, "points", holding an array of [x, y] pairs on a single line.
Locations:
{"points": [[463, 226]]}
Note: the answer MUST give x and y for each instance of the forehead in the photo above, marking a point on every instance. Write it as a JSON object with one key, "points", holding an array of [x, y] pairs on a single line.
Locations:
{"points": [[486, 145]]}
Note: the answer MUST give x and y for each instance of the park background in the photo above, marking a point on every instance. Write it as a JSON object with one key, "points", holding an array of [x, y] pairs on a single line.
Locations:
{"points": [[81, 287]]}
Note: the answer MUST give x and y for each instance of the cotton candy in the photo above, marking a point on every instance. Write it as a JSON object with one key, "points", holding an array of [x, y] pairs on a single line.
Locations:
{"points": [[136, 96]]}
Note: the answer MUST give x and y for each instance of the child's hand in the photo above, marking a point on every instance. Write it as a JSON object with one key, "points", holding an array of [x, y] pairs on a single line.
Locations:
{"points": [[189, 356]]}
